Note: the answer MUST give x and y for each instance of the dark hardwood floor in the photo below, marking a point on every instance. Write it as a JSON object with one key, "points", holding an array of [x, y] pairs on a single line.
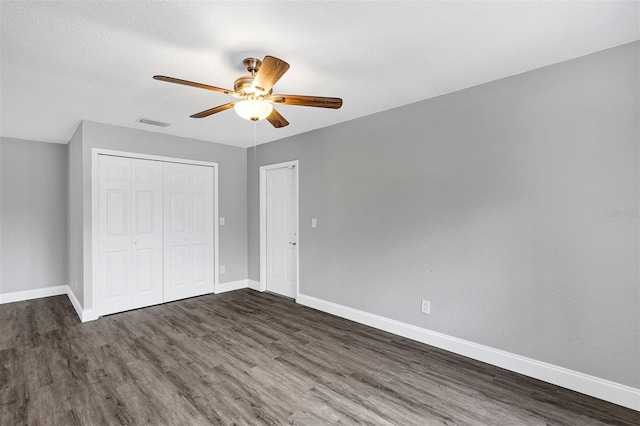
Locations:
{"points": [[254, 358]]}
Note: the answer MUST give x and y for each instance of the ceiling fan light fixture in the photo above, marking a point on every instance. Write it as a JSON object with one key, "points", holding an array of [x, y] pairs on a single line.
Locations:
{"points": [[254, 93], [253, 109]]}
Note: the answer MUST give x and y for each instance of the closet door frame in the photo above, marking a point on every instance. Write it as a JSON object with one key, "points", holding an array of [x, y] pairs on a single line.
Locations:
{"points": [[95, 152]]}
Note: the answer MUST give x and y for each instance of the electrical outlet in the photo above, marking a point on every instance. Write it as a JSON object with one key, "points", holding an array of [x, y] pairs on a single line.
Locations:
{"points": [[223, 269], [426, 307]]}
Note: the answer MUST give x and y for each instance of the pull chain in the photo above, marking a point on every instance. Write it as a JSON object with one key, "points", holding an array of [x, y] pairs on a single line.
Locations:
{"points": [[254, 141]]}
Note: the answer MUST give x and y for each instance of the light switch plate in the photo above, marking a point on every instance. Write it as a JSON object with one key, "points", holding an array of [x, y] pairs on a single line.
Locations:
{"points": [[221, 221], [314, 222]]}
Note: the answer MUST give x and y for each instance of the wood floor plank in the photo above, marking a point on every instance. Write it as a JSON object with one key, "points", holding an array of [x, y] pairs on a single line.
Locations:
{"points": [[250, 358]]}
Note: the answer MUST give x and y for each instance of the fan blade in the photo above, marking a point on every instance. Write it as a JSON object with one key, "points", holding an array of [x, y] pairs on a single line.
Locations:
{"points": [[311, 101], [192, 84], [213, 110], [269, 73], [277, 120]]}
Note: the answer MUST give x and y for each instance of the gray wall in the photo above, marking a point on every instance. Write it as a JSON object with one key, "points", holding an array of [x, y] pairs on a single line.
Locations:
{"points": [[1, 139], [232, 186], [74, 219], [33, 189], [494, 203]]}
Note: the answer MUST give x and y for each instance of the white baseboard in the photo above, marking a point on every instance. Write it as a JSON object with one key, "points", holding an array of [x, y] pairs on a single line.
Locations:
{"points": [[19, 296], [88, 315], [253, 285], [590, 385], [84, 314], [75, 302], [230, 286]]}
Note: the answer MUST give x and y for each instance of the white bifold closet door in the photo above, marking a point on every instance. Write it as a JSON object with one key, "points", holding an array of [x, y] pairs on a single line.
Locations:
{"points": [[155, 232], [129, 233], [188, 230]]}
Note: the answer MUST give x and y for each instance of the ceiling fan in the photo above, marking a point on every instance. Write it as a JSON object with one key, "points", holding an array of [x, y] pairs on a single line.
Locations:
{"points": [[255, 93]]}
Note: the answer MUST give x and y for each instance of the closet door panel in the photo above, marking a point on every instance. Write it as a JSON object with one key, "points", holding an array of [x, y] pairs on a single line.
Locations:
{"points": [[147, 232], [146, 267], [117, 276], [114, 266], [177, 246], [202, 227], [200, 264], [188, 230], [177, 263]]}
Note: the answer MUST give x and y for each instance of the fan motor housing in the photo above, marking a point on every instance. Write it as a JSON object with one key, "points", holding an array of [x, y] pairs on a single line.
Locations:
{"points": [[243, 83]]}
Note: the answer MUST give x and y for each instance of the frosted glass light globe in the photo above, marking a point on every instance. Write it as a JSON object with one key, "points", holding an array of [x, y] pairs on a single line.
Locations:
{"points": [[253, 109]]}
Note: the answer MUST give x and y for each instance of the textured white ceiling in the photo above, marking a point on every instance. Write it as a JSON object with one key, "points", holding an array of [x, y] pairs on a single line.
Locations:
{"points": [[66, 61]]}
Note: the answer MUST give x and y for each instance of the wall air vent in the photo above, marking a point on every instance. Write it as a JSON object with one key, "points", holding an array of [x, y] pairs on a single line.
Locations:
{"points": [[152, 122]]}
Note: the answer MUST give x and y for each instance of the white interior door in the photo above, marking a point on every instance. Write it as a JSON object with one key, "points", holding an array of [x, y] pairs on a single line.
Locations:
{"points": [[282, 203], [129, 233], [188, 230]]}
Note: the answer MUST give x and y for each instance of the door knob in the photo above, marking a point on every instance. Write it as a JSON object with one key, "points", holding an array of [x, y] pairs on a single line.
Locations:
{"points": [[293, 244]]}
